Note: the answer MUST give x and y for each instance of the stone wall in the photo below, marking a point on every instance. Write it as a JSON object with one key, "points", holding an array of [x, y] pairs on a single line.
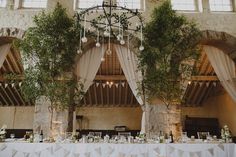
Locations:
{"points": [[52, 122], [159, 117], [22, 18], [17, 117], [107, 117]]}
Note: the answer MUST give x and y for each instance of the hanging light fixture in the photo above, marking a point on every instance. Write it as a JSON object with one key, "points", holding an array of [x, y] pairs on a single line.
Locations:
{"points": [[111, 22], [79, 51]]}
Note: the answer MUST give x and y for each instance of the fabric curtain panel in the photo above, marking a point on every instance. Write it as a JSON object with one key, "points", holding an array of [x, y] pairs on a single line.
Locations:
{"points": [[224, 68], [88, 66], [129, 64], [4, 50]]}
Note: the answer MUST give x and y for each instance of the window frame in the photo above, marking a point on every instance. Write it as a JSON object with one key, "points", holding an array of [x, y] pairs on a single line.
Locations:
{"points": [[20, 5], [1, 7], [227, 11], [76, 5], [142, 5], [197, 6]]}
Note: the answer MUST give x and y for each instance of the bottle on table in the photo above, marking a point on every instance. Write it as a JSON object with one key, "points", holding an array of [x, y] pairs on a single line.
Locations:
{"points": [[161, 137], [41, 136], [171, 137]]}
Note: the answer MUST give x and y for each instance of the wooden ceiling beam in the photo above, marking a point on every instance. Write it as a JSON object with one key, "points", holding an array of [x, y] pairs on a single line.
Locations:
{"points": [[9, 64], [110, 78], [203, 92], [197, 93], [3, 98], [203, 62], [114, 95], [90, 97], [120, 94], [18, 59], [101, 90], [108, 95], [3, 68], [122, 78], [204, 78], [206, 95], [3, 89], [95, 94], [13, 95], [126, 93], [14, 63], [132, 98], [20, 96], [16, 77], [191, 95]]}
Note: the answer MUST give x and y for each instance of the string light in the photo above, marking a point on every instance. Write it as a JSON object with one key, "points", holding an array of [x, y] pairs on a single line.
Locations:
{"points": [[141, 47], [79, 51], [84, 39], [112, 23], [98, 44]]}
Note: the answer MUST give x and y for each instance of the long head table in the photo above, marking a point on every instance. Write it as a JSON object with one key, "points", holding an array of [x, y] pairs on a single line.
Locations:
{"points": [[116, 150]]}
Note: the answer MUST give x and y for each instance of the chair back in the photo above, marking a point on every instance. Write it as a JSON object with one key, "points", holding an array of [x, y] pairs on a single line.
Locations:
{"points": [[98, 134], [125, 134], [202, 135]]}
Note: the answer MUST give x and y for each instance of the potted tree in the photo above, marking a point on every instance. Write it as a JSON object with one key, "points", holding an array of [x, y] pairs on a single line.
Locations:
{"points": [[171, 44], [49, 50]]}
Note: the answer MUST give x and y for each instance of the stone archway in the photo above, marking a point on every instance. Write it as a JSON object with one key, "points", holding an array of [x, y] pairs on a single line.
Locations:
{"points": [[12, 33], [221, 40]]}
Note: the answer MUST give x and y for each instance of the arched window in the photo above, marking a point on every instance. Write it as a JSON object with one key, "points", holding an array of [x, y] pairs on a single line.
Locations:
{"points": [[34, 3], [3, 3], [221, 5]]}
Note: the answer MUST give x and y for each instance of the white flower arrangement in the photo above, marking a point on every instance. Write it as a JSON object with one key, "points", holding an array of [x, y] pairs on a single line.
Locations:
{"points": [[225, 133], [3, 133]]}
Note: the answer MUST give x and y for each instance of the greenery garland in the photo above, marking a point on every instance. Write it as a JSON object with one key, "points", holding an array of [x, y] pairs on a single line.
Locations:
{"points": [[171, 43]]}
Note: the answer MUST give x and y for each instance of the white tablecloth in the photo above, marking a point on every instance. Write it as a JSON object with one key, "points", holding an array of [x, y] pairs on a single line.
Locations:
{"points": [[116, 150]]}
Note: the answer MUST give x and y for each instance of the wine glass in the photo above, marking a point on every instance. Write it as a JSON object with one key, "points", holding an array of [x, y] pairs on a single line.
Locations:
{"points": [[12, 136]]}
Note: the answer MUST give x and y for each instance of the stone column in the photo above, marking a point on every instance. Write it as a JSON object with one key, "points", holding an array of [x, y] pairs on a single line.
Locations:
{"points": [[160, 118], [52, 123]]}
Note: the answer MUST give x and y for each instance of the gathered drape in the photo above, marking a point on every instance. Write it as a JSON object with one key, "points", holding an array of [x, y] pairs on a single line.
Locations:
{"points": [[129, 65], [88, 66], [224, 68], [4, 50]]}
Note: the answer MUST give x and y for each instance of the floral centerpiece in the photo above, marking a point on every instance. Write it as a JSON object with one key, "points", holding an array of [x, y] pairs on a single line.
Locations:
{"points": [[225, 134], [141, 138], [3, 133]]}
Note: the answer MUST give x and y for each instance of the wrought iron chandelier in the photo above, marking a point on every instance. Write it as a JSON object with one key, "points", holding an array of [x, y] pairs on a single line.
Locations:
{"points": [[109, 21]]}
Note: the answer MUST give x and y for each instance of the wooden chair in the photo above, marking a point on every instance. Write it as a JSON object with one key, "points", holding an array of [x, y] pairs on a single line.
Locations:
{"points": [[202, 135], [125, 134]]}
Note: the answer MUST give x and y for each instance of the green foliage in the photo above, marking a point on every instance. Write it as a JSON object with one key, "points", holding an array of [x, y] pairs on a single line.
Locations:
{"points": [[170, 44], [49, 50]]}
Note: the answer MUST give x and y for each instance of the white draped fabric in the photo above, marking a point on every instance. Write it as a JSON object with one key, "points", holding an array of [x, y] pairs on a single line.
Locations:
{"points": [[115, 150], [4, 50], [129, 65], [224, 68], [88, 66]]}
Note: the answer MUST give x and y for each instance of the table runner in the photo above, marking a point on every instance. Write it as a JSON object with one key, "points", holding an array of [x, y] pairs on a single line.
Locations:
{"points": [[115, 150]]}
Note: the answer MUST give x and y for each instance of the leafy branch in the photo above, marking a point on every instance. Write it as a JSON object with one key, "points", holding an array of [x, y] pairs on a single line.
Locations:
{"points": [[49, 50], [171, 45]]}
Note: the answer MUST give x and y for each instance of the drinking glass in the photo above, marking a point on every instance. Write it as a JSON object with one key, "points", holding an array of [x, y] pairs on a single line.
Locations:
{"points": [[184, 137], [12, 136]]}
